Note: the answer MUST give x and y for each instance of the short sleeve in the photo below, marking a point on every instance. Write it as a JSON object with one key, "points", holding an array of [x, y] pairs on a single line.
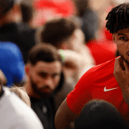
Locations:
{"points": [[82, 92]]}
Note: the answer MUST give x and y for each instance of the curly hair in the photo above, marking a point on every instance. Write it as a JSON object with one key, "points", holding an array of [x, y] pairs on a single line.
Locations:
{"points": [[118, 18]]}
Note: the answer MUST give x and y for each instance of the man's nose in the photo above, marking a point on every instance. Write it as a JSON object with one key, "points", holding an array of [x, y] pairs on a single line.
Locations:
{"points": [[49, 83]]}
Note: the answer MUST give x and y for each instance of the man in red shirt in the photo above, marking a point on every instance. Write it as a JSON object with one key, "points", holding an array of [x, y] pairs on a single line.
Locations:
{"points": [[108, 81]]}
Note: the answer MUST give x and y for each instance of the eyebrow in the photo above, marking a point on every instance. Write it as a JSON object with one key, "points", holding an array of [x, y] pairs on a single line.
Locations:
{"points": [[42, 72], [121, 34]]}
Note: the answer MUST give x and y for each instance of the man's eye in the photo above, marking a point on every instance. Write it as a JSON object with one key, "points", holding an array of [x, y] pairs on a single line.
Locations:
{"points": [[53, 76], [123, 38], [42, 75]]}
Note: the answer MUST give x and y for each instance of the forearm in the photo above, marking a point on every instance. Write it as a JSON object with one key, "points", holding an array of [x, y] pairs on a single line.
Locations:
{"points": [[64, 116], [61, 123]]}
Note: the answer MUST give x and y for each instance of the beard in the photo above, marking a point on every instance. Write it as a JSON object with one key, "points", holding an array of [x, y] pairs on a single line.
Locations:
{"points": [[39, 91], [123, 58]]}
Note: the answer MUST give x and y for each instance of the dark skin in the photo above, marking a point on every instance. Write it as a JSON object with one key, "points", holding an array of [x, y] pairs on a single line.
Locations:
{"points": [[121, 73], [64, 116]]}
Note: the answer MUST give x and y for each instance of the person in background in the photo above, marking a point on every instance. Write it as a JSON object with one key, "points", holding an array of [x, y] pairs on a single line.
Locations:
{"points": [[10, 30], [64, 34], [44, 80]]}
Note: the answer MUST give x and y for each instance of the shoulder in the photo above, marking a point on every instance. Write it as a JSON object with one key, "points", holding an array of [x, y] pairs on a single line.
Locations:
{"points": [[106, 66]]}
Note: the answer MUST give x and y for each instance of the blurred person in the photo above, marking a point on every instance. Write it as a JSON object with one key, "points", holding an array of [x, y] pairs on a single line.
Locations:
{"points": [[107, 81], [101, 50], [11, 63], [14, 113], [58, 32], [99, 114], [44, 80], [64, 34], [10, 30], [48, 9]]}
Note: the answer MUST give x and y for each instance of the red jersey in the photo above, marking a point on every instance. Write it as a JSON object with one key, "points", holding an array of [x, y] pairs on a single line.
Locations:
{"points": [[102, 51], [98, 83]]}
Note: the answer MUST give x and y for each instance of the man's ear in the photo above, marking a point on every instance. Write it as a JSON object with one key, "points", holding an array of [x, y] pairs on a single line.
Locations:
{"points": [[27, 69]]}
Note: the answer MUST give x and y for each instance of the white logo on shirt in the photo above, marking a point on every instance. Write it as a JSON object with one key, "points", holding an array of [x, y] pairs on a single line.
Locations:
{"points": [[106, 90]]}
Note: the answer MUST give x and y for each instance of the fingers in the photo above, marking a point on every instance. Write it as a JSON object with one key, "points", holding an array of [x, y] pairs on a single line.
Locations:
{"points": [[126, 67], [119, 66]]}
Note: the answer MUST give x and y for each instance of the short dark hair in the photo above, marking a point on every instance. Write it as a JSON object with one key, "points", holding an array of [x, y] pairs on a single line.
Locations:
{"points": [[56, 31], [99, 114], [43, 52], [118, 18], [5, 6]]}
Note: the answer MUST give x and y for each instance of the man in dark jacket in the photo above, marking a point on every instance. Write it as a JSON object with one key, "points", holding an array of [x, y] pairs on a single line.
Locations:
{"points": [[45, 78]]}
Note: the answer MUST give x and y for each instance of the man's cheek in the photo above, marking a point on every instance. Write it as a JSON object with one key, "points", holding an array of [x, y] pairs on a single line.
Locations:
{"points": [[57, 80]]}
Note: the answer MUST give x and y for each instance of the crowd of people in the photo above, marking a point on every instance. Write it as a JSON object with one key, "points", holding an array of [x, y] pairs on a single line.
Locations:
{"points": [[64, 64]]}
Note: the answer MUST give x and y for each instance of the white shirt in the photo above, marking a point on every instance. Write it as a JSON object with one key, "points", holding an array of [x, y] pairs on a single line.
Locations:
{"points": [[15, 114]]}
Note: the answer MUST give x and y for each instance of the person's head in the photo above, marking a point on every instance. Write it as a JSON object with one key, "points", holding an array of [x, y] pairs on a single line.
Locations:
{"points": [[99, 114], [8, 8], [118, 25], [58, 32], [21, 93], [44, 69]]}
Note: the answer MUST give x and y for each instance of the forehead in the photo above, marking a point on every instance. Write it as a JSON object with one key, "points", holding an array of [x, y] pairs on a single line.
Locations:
{"points": [[123, 31], [48, 67]]}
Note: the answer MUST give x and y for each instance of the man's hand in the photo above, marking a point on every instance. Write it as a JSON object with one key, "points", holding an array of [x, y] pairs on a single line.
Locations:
{"points": [[121, 73]]}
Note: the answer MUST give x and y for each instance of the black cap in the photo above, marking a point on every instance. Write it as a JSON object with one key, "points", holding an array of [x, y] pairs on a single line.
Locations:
{"points": [[5, 6]]}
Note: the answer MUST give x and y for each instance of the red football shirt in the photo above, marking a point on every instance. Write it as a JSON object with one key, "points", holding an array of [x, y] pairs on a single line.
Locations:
{"points": [[98, 83]]}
